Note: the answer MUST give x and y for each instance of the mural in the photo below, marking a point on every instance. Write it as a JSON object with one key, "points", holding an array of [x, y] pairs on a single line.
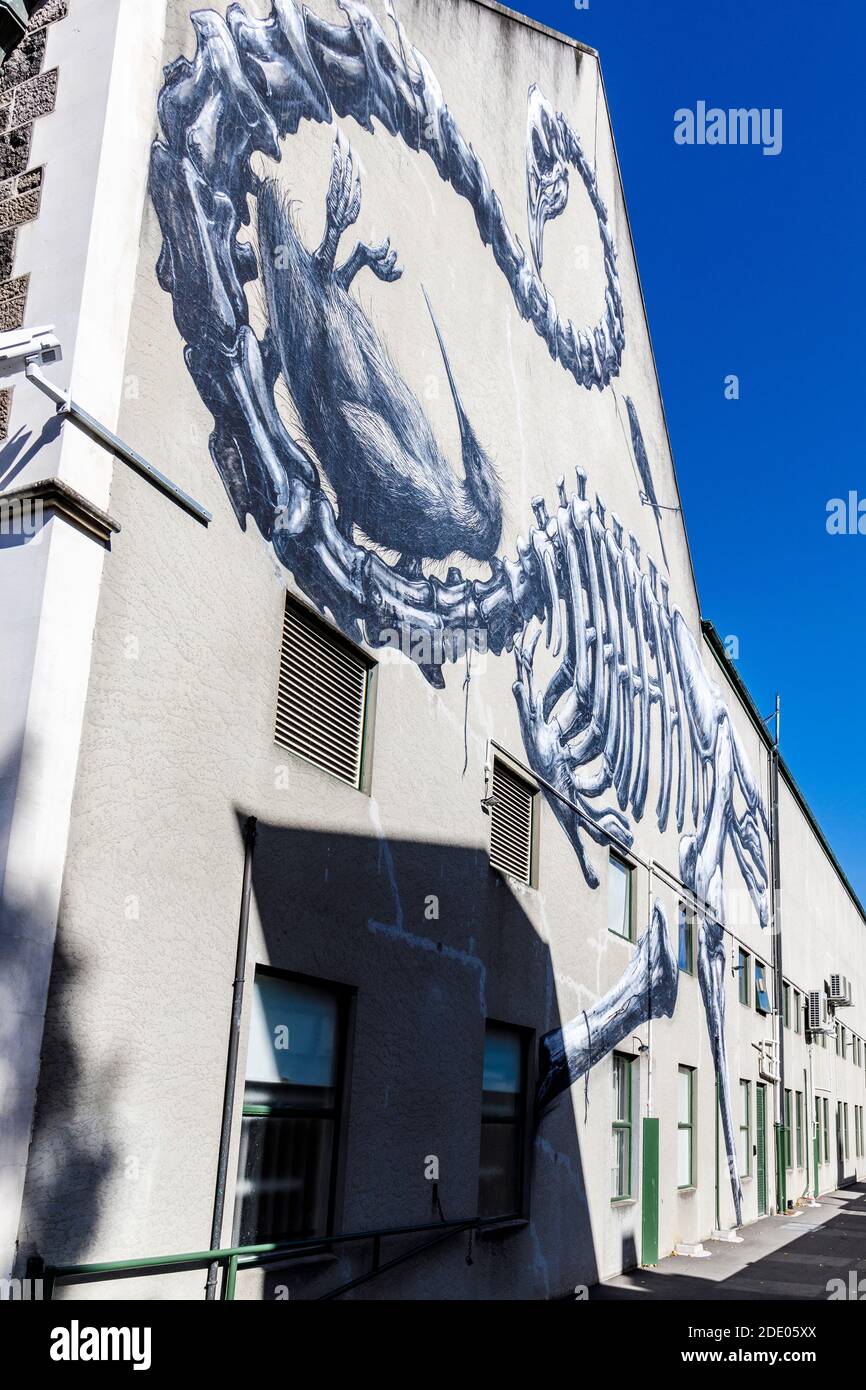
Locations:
{"points": [[627, 662]]}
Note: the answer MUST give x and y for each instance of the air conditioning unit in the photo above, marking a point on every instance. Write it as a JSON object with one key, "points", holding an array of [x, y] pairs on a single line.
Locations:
{"points": [[840, 991], [768, 1061], [820, 1018]]}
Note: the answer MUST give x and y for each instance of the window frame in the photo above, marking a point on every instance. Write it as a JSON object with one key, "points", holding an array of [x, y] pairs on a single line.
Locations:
{"points": [[798, 1120], [689, 1125], [761, 989], [826, 1126], [522, 1125], [747, 1127], [686, 919], [787, 1118], [744, 971], [615, 856], [625, 1125], [786, 1004], [797, 1008], [346, 999]]}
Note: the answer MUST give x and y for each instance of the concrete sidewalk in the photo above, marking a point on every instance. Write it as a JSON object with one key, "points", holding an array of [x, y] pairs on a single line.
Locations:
{"points": [[782, 1257]]}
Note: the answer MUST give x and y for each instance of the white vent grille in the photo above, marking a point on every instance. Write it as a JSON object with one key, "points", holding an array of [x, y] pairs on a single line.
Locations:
{"points": [[322, 696], [511, 823]]}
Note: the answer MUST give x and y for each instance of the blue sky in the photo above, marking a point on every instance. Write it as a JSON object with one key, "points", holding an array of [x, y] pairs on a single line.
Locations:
{"points": [[753, 265]]}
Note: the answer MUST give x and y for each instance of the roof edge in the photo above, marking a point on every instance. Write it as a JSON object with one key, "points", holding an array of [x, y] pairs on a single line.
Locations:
{"points": [[534, 24]]}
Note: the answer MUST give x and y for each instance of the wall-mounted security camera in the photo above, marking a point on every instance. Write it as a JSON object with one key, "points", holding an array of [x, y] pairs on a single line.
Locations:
{"points": [[24, 345], [27, 351]]}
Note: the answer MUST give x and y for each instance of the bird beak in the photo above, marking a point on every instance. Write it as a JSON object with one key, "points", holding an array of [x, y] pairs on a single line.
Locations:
{"points": [[466, 432], [546, 171]]}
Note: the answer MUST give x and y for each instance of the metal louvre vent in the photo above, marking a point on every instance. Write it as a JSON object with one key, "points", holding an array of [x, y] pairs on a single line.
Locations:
{"points": [[511, 823], [322, 696]]}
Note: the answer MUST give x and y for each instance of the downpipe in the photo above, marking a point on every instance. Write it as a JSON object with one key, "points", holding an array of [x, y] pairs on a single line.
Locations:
{"points": [[232, 1057]]}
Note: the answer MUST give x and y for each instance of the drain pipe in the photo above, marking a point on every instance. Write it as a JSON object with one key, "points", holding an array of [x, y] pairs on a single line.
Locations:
{"points": [[232, 1058], [781, 1173]]}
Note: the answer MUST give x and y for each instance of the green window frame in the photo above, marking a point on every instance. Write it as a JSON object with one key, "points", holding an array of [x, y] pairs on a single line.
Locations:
{"points": [[622, 1134], [798, 1007], [787, 1132], [292, 1108], [686, 940], [845, 1129], [686, 1128], [745, 1129], [786, 1004], [743, 970], [826, 1113], [619, 897], [798, 1115]]}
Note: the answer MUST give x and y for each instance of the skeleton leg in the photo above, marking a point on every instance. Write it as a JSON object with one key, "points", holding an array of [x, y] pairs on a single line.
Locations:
{"points": [[647, 989]]}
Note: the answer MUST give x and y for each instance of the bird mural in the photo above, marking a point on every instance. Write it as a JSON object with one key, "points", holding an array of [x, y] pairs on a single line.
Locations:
{"points": [[366, 427]]}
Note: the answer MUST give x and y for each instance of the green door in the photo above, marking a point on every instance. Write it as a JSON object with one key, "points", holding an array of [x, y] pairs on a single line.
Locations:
{"points": [[649, 1250], [761, 1142]]}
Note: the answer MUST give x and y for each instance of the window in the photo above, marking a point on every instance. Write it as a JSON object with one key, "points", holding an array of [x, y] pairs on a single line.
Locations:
{"points": [[290, 1127], [512, 823], [503, 1122], [619, 913], [840, 1034], [622, 1127], [762, 999], [687, 940], [845, 1127], [787, 1130], [685, 1127], [797, 1010], [324, 696], [826, 1129], [743, 973], [786, 1005], [745, 1129], [798, 1111], [818, 1129], [858, 1129]]}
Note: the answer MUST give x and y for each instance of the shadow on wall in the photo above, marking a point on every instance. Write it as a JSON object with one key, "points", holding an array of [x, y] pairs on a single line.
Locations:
{"points": [[72, 1153], [434, 942]]}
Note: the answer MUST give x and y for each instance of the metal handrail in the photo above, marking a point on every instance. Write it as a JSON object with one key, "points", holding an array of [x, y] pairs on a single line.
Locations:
{"points": [[250, 1256]]}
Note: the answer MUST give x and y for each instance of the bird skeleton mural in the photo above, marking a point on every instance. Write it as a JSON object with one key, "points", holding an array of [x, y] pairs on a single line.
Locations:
{"points": [[629, 672]]}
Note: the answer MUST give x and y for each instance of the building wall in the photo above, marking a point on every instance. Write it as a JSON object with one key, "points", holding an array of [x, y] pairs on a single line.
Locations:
{"points": [[177, 745]]}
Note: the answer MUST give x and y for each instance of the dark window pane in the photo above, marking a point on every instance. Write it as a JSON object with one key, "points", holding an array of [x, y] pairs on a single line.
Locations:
{"points": [[284, 1170], [497, 1187]]}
